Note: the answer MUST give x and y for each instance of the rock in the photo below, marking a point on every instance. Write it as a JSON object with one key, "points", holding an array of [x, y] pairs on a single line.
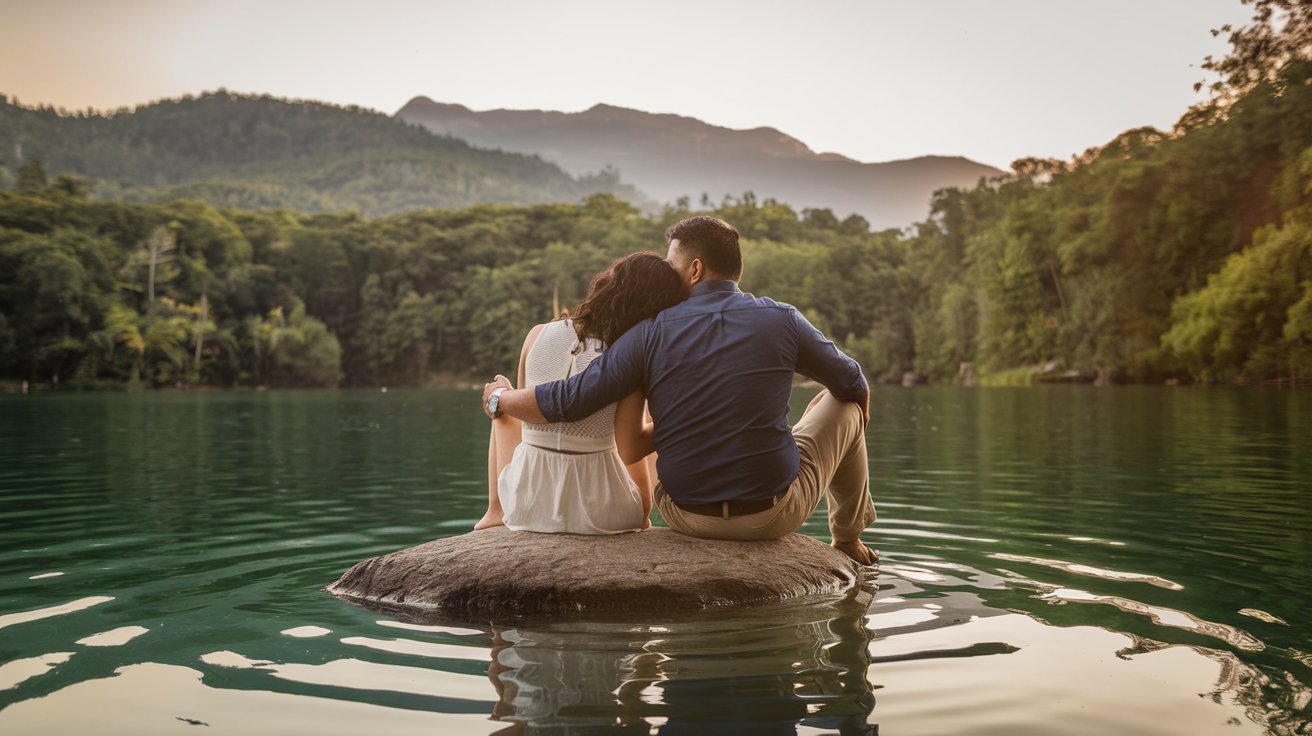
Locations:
{"points": [[966, 375], [911, 378], [497, 573]]}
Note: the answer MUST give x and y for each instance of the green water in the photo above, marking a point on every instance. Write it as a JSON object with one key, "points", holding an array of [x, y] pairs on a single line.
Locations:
{"points": [[1055, 560]]}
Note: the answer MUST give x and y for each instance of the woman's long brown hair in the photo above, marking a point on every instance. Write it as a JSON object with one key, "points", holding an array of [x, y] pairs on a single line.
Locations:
{"points": [[631, 289]]}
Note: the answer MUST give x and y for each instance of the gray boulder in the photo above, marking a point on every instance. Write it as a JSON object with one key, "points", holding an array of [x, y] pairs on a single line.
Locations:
{"points": [[497, 573]]}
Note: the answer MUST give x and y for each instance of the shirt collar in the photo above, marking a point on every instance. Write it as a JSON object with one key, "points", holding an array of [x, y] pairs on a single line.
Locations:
{"points": [[706, 287]]}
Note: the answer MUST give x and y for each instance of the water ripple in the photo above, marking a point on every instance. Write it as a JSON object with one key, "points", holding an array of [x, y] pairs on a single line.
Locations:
{"points": [[1078, 569], [62, 609], [1161, 616]]}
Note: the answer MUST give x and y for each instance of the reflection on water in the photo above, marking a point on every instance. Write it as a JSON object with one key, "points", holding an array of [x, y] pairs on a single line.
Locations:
{"points": [[59, 610], [1093, 571], [1065, 561], [909, 658], [761, 672], [1161, 616]]}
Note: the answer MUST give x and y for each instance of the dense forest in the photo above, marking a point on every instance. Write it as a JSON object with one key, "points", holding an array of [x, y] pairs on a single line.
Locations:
{"points": [[261, 152], [1162, 255]]}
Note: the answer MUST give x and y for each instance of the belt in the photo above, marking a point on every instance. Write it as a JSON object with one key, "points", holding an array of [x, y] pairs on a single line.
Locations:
{"points": [[730, 509]]}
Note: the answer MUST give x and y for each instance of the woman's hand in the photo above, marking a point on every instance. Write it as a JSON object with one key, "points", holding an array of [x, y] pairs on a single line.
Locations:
{"points": [[499, 382]]}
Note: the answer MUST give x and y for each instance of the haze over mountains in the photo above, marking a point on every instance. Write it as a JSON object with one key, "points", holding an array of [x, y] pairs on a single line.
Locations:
{"points": [[671, 156]]}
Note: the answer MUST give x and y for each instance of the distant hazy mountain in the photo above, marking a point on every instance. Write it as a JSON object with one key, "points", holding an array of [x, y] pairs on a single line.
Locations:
{"points": [[669, 156], [265, 152]]}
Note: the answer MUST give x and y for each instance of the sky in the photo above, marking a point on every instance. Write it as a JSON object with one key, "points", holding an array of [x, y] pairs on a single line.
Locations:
{"points": [[875, 80]]}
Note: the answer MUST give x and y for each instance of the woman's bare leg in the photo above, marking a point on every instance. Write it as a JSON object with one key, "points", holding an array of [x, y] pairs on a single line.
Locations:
{"points": [[504, 438]]}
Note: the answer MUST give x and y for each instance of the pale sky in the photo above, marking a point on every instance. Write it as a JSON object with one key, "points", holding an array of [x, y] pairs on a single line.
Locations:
{"points": [[992, 80]]}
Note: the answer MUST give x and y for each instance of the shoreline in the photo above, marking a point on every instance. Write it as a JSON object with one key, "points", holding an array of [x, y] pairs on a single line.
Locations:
{"points": [[10, 388]]}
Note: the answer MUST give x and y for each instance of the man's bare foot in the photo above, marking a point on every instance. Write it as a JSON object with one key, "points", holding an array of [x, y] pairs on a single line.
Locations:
{"points": [[490, 520], [858, 551]]}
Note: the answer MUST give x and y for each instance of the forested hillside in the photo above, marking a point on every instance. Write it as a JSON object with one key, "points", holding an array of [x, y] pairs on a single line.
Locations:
{"points": [[1162, 255], [262, 152], [1181, 254]]}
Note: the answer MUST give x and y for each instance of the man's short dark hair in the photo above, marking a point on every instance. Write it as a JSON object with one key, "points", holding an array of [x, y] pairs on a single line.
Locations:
{"points": [[711, 239]]}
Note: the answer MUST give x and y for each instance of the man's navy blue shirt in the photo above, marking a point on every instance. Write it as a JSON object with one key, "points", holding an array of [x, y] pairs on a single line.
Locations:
{"points": [[717, 370]]}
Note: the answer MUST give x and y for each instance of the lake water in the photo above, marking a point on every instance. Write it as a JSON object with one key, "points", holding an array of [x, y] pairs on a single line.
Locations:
{"points": [[1063, 560]]}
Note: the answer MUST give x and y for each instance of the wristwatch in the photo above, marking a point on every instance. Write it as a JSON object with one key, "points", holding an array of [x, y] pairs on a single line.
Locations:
{"points": [[493, 407]]}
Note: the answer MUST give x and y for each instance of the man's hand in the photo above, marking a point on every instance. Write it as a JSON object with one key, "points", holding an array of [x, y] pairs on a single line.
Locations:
{"points": [[499, 382], [515, 403], [865, 411]]}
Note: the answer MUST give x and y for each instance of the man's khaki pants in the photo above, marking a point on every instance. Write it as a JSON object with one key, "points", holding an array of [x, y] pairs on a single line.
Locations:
{"points": [[831, 441]]}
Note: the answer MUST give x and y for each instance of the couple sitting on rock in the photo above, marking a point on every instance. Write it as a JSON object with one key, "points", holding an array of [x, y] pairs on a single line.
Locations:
{"points": [[714, 367]]}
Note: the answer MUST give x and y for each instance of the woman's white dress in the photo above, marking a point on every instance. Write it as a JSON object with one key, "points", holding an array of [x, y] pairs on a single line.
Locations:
{"points": [[568, 476]]}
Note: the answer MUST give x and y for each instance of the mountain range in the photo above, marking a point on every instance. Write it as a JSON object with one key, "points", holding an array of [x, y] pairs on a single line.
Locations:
{"points": [[263, 152], [671, 156]]}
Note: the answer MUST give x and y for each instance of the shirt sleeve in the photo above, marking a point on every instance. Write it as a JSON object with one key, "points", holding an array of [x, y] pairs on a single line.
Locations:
{"points": [[821, 361], [611, 376]]}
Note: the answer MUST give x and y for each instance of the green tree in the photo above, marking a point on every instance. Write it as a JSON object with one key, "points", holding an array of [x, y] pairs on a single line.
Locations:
{"points": [[32, 177], [500, 306], [293, 350], [117, 349], [1251, 320], [53, 290]]}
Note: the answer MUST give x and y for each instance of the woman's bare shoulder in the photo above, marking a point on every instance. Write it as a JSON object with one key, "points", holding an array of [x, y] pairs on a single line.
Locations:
{"points": [[532, 336]]}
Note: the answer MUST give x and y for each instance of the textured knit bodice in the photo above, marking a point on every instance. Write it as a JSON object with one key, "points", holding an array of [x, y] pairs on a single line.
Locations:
{"points": [[552, 358]]}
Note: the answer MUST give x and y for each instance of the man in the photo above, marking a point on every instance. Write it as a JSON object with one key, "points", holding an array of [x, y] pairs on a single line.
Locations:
{"points": [[717, 371]]}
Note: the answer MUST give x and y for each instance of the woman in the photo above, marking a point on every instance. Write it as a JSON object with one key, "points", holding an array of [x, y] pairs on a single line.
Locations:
{"points": [[568, 476]]}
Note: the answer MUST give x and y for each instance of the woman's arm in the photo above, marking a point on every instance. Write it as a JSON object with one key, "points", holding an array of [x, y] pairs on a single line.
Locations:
{"points": [[633, 436], [633, 439]]}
